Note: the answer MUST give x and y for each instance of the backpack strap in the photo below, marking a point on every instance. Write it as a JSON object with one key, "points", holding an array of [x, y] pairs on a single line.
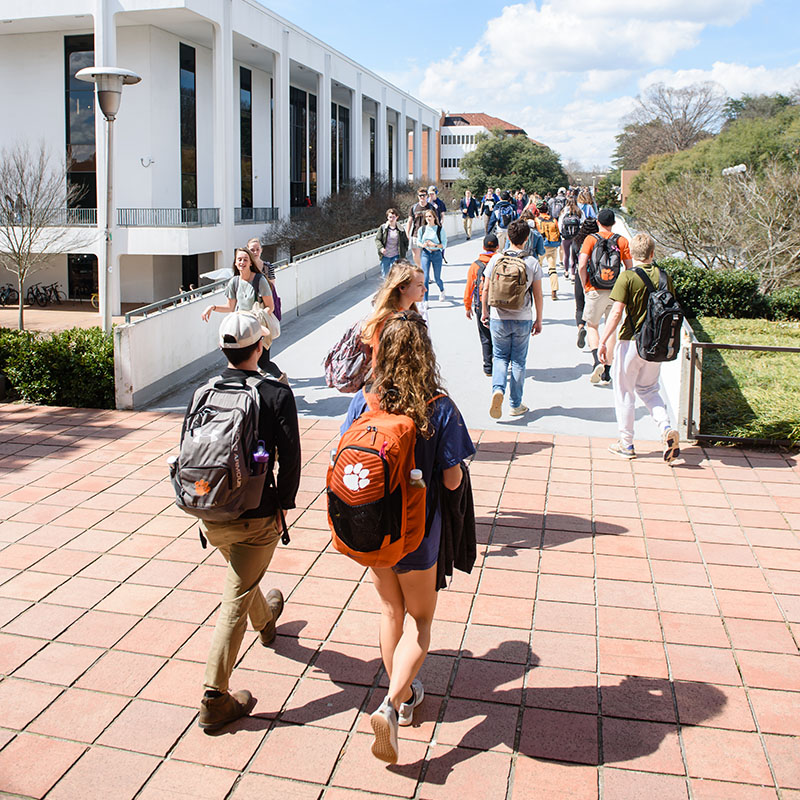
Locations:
{"points": [[646, 280]]}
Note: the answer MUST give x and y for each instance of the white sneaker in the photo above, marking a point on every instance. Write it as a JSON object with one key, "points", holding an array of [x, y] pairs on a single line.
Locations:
{"points": [[496, 408], [442, 296], [670, 440], [519, 410], [597, 373], [405, 716], [384, 726]]}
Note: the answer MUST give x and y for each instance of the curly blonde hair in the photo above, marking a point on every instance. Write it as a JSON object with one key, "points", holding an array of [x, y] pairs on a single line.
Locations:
{"points": [[406, 375], [387, 299]]}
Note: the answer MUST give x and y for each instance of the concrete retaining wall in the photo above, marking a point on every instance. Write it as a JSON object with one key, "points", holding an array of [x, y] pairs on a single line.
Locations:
{"points": [[154, 353]]}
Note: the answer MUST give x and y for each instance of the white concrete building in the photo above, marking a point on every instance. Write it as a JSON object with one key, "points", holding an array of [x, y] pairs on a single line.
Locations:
{"points": [[458, 132], [240, 116]]}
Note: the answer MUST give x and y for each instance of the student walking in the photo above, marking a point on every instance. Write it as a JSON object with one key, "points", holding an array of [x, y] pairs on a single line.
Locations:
{"points": [[503, 214], [510, 292], [416, 220], [431, 241], [248, 287], [248, 543], [569, 223], [472, 298], [603, 256], [633, 376], [391, 241], [406, 382], [469, 210], [548, 227], [587, 228], [487, 205]]}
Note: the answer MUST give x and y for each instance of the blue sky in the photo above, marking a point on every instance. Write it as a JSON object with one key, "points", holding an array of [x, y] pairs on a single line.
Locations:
{"points": [[565, 70]]}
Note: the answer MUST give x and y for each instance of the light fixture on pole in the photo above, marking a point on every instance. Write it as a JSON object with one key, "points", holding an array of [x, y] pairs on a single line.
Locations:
{"points": [[108, 82]]}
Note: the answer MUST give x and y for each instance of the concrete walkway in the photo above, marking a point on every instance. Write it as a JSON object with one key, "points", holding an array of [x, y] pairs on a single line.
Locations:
{"points": [[629, 630], [557, 387]]}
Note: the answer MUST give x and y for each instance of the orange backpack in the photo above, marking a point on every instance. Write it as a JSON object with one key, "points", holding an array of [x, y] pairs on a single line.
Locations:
{"points": [[375, 515]]}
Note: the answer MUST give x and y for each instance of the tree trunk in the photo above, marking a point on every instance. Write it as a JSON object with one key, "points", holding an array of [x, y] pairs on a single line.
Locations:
{"points": [[21, 322]]}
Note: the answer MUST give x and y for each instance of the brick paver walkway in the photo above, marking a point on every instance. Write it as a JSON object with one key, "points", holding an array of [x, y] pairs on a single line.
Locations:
{"points": [[630, 630]]}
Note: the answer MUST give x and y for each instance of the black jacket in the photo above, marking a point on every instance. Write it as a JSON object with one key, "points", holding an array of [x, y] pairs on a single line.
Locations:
{"points": [[457, 547], [279, 430]]}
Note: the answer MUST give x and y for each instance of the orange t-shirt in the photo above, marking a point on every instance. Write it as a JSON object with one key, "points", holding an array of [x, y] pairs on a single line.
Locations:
{"points": [[588, 245]]}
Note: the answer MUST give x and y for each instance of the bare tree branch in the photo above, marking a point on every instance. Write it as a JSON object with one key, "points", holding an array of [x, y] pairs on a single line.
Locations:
{"points": [[34, 202]]}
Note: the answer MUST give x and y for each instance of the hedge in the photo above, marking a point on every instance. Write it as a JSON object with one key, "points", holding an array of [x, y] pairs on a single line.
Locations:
{"points": [[74, 367], [728, 294]]}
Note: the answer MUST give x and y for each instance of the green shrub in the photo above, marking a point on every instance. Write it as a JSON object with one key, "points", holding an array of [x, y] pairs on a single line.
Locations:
{"points": [[69, 368], [730, 294], [785, 303]]}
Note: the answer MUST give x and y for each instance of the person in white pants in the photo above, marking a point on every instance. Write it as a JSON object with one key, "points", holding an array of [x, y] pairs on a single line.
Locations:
{"points": [[632, 375]]}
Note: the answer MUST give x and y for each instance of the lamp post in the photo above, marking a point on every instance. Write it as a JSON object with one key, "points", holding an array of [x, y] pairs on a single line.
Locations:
{"points": [[108, 82]]}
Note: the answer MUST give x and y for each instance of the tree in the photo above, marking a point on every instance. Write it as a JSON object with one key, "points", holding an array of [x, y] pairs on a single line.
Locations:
{"points": [[512, 162], [607, 194], [755, 106], [34, 202], [687, 114], [637, 142]]}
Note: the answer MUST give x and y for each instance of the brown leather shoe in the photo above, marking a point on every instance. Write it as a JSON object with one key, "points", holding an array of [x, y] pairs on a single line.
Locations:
{"points": [[216, 712], [274, 600]]}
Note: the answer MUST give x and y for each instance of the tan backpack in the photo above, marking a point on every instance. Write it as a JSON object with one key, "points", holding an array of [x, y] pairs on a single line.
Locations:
{"points": [[508, 283]]}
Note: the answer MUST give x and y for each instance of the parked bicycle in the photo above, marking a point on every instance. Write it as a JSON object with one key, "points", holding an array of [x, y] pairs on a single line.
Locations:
{"points": [[36, 295], [8, 295], [54, 294]]}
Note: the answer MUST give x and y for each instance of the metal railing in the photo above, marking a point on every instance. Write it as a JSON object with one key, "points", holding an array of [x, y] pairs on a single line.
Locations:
{"points": [[243, 216], [167, 217], [695, 380], [73, 216]]}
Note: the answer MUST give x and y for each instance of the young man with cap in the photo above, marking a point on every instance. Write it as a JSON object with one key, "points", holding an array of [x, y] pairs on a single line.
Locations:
{"points": [[472, 297], [247, 543], [435, 201], [598, 302], [633, 376]]}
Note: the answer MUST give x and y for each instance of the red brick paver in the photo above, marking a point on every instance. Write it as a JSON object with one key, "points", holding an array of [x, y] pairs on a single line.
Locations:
{"points": [[629, 630]]}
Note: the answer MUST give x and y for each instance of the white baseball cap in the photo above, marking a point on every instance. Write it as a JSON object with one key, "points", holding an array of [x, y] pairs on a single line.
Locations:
{"points": [[242, 330]]}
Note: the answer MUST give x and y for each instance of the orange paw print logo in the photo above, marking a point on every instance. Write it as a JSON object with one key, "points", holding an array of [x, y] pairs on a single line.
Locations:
{"points": [[201, 488]]}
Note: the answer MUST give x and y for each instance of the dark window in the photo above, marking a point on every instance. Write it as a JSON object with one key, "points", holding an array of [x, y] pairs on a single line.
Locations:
{"points": [[188, 105], [343, 133], [298, 159], [334, 149], [189, 272], [272, 142], [81, 275], [312, 148], [372, 166], [390, 140], [79, 99], [246, 135]]}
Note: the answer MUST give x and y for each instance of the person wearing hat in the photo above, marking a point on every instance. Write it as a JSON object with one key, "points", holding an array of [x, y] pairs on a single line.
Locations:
{"points": [[436, 202], [472, 297], [598, 302], [247, 543]]}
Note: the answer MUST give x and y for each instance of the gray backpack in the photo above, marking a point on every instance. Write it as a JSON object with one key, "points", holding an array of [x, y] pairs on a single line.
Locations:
{"points": [[222, 467]]}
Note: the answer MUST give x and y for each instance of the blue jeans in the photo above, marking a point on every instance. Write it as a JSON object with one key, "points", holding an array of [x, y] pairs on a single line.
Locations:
{"points": [[510, 339], [428, 259], [386, 264]]}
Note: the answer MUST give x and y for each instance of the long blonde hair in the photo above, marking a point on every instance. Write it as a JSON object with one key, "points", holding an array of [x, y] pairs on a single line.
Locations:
{"points": [[406, 376], [387, 299]]}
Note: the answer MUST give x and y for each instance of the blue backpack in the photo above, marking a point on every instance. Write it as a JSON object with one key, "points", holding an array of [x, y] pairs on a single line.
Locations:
{"points": [[506, 215]]}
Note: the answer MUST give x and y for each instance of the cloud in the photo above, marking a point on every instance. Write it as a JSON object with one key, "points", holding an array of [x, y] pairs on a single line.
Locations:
{"points": [[598, 81], [736, 79]]}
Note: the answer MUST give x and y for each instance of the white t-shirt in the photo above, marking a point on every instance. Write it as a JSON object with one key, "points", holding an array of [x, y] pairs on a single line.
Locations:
{"points": [[534, 272]]}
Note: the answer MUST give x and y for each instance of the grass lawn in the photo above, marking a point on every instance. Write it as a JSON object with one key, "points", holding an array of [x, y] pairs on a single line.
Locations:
{"points": [[750, 393]]}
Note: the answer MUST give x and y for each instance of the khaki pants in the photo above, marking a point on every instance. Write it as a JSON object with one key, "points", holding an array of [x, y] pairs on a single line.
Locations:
{"points": [[550, 254], [468, 226], [247, 545]]}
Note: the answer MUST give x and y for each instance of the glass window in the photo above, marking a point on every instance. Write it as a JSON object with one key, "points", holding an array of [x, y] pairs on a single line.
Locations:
{"points": [[80, 138], [312, 148], [246, 136], [188, 126], [298, 163]]}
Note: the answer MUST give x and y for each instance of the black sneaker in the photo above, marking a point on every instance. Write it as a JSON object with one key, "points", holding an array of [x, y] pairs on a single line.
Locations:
{"points": [[581, 338]]}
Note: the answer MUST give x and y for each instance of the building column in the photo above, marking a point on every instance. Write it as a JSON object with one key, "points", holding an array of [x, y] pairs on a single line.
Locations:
{"points": [[282, 199], [381, 138], [356, 131], [432, 155], [224, 140], [324, 131], [401, 150], [417, 149]]}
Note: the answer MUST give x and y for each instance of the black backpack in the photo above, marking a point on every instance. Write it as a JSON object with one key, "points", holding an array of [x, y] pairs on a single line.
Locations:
{"points": [[557, 206], [659, 337], [476, 291], [605, 262], [570, 226]]}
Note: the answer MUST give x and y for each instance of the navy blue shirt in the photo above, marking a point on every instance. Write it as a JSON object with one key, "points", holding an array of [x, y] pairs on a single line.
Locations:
{"points": [[450, 445]]}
